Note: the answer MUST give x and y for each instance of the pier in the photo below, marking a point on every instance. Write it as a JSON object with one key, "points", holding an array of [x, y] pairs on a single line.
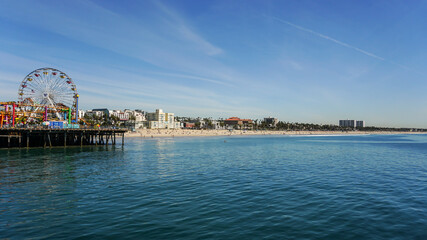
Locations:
{"points": [[45, 137]]}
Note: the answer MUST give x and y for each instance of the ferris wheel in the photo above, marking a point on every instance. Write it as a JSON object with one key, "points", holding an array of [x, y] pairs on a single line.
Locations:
{"points": [[51, 88]]}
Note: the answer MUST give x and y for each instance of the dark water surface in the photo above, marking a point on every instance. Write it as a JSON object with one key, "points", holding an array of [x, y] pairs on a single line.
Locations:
{"points": [[305, 187]]}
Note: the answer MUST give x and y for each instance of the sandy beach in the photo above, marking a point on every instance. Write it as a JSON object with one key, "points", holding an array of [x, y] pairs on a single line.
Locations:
{"points": [[154, 133]]}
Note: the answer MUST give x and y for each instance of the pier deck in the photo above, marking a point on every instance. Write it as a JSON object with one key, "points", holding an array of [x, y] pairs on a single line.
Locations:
{"points": [[43, 137]]}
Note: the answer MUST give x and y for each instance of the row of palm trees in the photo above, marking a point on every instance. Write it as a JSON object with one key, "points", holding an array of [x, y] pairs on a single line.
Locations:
{"points": [[290, 126]]}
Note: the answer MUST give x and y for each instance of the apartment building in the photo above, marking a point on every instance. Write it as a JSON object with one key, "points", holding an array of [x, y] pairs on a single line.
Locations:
{"points": [[160, 119], [351, 123]]}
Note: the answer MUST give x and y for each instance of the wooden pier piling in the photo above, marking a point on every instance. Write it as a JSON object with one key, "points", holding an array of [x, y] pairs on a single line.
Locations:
{"points": [[42, 137]]}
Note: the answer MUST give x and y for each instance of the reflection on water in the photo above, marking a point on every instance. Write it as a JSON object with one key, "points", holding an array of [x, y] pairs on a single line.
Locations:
{"points": [[165, 152], [35, 177]]}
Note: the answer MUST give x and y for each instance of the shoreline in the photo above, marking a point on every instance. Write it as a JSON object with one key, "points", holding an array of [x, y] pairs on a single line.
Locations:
{"points": [[159, 133]]}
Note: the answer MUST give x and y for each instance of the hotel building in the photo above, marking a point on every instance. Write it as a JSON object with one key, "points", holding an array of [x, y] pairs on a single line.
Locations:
{"points": [[351, 123], [160, 119]]}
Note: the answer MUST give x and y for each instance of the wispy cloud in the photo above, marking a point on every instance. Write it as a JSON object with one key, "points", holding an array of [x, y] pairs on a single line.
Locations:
{"points": [[180, 25], [330, 39], [293, 64], [193, 78], [167, 41]]}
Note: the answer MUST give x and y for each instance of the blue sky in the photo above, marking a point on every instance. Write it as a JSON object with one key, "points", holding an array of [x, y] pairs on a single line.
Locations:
{"points": [[300, 61]]}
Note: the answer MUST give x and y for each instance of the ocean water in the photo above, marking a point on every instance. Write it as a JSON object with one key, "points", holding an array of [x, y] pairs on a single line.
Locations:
{"points": [[258, 187]]}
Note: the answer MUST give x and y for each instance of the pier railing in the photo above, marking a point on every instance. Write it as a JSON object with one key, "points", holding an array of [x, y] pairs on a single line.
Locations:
{"points": [[39, 126]]}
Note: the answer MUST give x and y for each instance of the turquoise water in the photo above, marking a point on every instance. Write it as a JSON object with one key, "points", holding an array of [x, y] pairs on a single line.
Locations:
{"points": [[281, 187]]}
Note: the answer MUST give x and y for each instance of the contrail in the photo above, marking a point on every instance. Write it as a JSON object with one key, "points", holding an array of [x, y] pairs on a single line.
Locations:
{"points": [[329, 38], [347, 45]]}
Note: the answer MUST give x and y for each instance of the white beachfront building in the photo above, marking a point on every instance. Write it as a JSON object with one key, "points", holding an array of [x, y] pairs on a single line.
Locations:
{"points": [[137, 119], [121, 115], [160, 119], [81, 113], [93, 113]]}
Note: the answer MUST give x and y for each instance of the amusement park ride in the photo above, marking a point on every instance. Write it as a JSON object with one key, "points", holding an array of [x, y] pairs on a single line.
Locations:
{"points": [[45, 95]]}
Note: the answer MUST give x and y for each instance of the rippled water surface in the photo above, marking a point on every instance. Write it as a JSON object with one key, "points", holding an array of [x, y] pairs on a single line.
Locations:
{"points": [[281, 187]]}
